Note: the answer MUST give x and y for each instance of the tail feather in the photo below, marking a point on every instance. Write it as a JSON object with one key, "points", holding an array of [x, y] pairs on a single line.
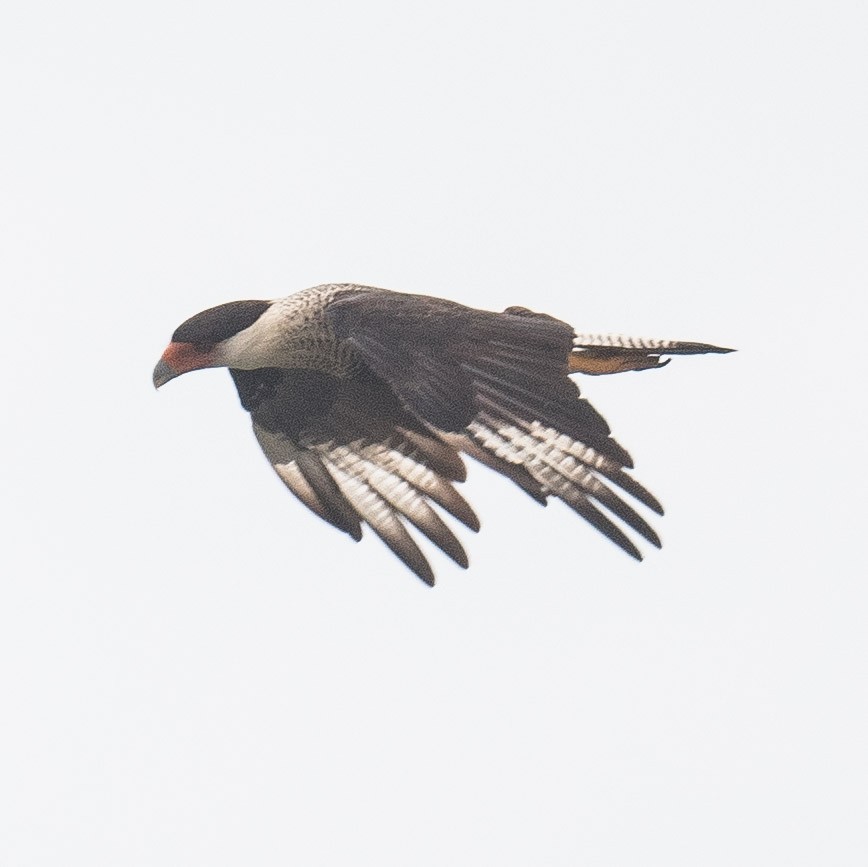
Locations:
{"points": [[599, 354]]}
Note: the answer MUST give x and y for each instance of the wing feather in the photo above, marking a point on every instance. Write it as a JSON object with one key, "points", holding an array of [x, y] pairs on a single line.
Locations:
{"points": [[497, 386], [303, 473], [549, 458], [384, 521], [352, 454], [402, 496]]}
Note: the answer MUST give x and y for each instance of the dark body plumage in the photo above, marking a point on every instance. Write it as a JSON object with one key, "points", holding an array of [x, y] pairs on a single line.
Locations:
{"points": [[372, 395]]}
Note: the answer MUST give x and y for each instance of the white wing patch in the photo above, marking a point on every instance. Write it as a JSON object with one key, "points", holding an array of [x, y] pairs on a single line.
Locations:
{"points": [[371, 484], [571, 471], [382, 483]]}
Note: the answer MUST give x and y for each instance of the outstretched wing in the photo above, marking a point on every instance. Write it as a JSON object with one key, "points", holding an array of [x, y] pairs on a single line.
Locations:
{"points": [[352, 454], [496, 386]]}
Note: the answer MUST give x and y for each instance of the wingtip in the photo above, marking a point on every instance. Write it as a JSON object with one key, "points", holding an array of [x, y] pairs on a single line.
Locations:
{"points": [[352, 528], [427, 577], [652, 503]]}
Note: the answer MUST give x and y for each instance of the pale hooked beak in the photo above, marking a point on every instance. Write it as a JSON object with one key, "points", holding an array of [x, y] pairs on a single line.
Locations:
{"points": [[163, 373], [177, 359]]}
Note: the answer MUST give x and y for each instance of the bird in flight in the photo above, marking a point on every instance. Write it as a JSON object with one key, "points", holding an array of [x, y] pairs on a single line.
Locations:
{"points": [[363, 400]]}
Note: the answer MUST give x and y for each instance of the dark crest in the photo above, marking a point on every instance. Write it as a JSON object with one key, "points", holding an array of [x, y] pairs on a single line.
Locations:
{"points": [[217, 323]]}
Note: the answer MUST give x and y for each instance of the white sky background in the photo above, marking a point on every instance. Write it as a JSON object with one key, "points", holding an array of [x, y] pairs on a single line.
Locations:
{"points": [[194, 670]]}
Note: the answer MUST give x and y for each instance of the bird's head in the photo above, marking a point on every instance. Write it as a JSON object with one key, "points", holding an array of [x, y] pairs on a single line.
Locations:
{"points": [[222, 336]]}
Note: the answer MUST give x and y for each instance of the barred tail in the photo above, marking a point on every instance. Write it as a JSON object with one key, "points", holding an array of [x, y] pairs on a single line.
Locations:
{"points": [[599, 354]]}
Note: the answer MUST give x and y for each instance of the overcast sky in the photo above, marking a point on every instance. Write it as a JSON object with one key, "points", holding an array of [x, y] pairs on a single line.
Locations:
{"points": [[195, 670]]}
